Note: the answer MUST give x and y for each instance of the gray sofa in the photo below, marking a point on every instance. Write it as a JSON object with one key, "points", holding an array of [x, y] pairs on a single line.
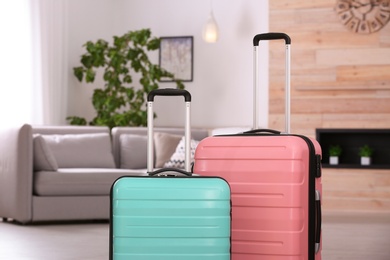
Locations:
{"points": [[55, 173]]}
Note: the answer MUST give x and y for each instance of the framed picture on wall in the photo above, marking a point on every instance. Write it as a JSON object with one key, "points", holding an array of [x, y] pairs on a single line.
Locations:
{"points": [[177, 57]]}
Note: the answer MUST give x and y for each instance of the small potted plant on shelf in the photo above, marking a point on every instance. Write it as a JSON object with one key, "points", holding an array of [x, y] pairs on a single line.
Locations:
{"points": [[334, 153], [365, 153]]}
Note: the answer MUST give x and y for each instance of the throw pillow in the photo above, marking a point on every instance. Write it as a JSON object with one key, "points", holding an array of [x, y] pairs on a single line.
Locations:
{"points": [[43, 157], [165, 145], [81, 150], [133, 151], [177, 159]]}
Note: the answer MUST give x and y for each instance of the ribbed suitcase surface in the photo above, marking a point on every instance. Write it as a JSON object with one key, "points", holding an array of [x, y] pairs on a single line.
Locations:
{"points": [[168, 218], [273, 184]]}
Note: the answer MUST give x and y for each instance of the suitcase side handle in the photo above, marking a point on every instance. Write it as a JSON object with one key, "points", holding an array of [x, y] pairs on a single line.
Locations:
{"points": [[318, 222], [258, 131], [271, 36], [169, 92], [159, 171]]}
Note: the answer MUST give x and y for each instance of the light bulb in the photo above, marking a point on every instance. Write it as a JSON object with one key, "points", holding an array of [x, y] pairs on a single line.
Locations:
{"points": [[210, 30]]}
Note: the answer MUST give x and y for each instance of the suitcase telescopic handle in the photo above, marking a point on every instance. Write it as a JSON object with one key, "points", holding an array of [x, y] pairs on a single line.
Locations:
{"points": [[169, 92], [256, 87], [187, 131], [271, 36]]}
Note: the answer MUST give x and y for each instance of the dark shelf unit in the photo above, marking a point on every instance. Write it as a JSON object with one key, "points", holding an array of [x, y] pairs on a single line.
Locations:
{"points": [[351, 140]]}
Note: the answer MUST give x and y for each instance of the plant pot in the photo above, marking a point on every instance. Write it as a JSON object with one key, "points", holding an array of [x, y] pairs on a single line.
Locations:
{"points": [[333, 160], [365, 160]]}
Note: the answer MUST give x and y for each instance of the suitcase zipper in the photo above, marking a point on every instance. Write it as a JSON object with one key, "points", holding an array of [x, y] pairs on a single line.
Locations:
{"points": [[315, 218]]}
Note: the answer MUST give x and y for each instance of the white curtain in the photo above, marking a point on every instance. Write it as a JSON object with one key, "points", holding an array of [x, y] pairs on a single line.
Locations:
{"points": [[52, 26], [33, 62], [16, 105]]}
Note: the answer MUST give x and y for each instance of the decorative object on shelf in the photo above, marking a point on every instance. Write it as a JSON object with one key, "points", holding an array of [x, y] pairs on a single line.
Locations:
{"points": [[119, 102], [363, 16], [334, 154], [365, 153], [210, 31], [351, 139], [177, 57]]}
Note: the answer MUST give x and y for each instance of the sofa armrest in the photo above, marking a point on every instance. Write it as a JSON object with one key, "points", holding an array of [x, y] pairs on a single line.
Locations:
{"points": [[16, 173]]}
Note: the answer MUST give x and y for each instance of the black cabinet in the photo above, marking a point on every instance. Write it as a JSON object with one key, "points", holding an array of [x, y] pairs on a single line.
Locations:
{"points": [[351, 140]]}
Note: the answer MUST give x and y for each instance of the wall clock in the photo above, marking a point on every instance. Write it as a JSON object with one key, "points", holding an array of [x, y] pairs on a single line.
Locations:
{"points": [[363, 16]]}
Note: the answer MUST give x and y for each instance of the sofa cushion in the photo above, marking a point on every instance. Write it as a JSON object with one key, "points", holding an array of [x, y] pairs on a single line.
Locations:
{"points": [[42, 155], [79, 181], [164, 146], [196, 133], [177, 159], [81, 150], [133, 151]]}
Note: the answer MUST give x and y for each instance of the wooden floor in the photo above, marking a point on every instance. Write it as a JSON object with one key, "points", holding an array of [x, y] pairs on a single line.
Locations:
{"points": [[345, 236], [356, 237]]}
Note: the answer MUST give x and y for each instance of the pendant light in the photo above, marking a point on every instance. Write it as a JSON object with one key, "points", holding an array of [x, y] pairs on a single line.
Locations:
{"points": [[210, 30]]}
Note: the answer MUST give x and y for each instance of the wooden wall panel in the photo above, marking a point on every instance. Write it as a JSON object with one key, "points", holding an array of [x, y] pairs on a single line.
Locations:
{"points": [[363, 73], [358, 190], [339, 79], [356, 121], [353, 56], [334, 71], [299, 4], [384, 37], [340, 86]]}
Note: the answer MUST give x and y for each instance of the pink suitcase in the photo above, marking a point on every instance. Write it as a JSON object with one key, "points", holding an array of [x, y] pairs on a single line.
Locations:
{"points": [[275, 181]]}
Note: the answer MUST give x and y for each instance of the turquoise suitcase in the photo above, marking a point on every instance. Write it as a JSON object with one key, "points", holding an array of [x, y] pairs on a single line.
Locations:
{"points": [[169, 218], [170, 214]]}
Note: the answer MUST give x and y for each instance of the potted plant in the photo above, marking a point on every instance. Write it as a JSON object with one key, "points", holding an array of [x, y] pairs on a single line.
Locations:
{"points": [[365, 153], [120, 102], [334, 153]]}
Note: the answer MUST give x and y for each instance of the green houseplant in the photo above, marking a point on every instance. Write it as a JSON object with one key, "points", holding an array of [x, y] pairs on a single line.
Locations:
{"points": [[365, 153], [121, 102], [334, 153]]}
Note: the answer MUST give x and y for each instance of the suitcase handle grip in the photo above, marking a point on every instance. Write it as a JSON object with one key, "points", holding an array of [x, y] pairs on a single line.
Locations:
{"points": [[318, 222], [258, 131], [169, 92], [156, 172], [271, 36]]}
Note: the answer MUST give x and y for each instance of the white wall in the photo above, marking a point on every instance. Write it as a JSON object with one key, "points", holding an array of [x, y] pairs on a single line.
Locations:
{"points": [[88, 20], [223, 72]]}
